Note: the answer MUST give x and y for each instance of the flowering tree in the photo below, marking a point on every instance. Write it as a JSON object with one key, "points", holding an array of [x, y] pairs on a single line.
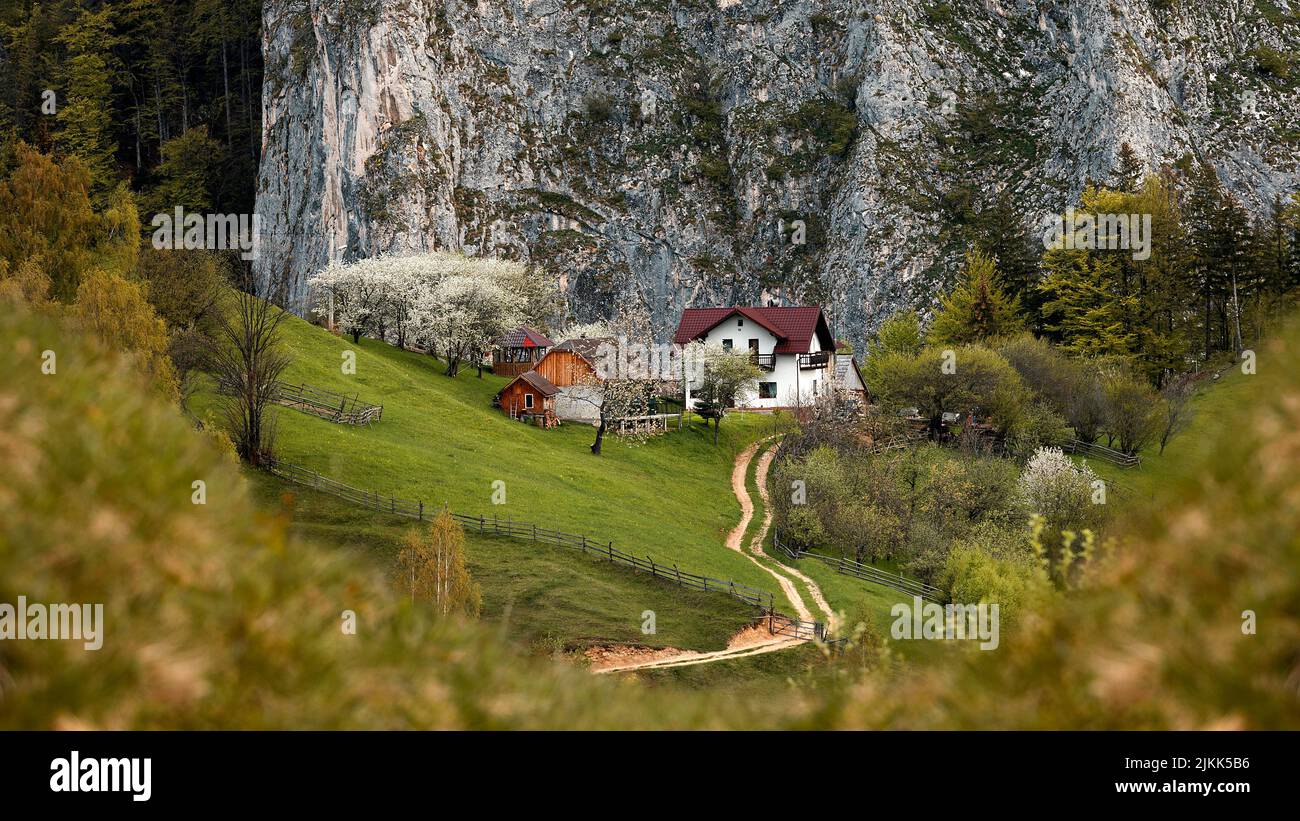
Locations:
{"points": [[450, 303], [1053, 486], [720, 375], [342, 292], [464, 313]]}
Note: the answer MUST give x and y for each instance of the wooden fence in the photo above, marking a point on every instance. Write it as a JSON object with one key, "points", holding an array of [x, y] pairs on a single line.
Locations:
{"points": [[1115, 457], [416, 509], [865, 572], [336, 407]]}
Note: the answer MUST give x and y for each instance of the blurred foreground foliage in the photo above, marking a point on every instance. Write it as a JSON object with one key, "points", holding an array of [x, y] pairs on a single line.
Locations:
{"points": [[213, 619]]}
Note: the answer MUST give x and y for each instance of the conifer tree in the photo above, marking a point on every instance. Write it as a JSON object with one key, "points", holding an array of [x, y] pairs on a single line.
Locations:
{"points": [[1128, 170], [1081, 308], [977, 309]]}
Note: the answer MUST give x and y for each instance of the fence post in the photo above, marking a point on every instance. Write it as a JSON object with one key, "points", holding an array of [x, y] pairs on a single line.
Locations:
{"points": [[481, 523], [679, 575], [422, 511], [653, 572], [534, 531], [611, 551]]}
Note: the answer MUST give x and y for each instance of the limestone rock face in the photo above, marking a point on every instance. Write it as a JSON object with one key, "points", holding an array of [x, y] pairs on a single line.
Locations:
{"points": [[667, 153]]}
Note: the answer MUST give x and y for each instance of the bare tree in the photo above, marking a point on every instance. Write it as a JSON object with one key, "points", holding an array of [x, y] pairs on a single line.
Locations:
{"points": [[1178, 409], [247, 364]]}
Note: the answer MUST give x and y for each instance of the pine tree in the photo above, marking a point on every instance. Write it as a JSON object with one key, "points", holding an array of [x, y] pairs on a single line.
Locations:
{"points": [[1128, 170], [1001, 231], [1081, 308], [977, 309]]}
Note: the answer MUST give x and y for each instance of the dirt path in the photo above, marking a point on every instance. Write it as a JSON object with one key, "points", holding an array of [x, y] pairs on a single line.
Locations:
{"points": [[752, 641], [704, 658], [756, 544], [737, 535], [756, 639]]}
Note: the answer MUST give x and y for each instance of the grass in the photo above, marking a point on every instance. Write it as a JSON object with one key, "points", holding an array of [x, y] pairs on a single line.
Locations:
{"points": [[440, 441], [1214, 402], [544, 597]]}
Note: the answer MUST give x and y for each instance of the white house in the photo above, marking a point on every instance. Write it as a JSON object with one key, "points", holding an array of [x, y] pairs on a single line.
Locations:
{"points": [[792, 346]]}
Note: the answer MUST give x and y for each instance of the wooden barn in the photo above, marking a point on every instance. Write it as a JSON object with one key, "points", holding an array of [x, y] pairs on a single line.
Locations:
{"points": [[519, 350], [529, 397], [571, 367]]}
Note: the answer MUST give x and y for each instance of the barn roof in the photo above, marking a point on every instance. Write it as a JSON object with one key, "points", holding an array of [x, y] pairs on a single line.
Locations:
{"points": [[586, 347], [522, 337], [536, 381], [793, 327]]}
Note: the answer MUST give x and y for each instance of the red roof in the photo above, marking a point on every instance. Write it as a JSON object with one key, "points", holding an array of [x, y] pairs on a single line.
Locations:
{"points": [[522, 337], [794, 328]]}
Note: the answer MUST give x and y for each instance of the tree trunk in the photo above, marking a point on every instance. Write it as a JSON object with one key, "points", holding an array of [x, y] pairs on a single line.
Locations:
{"points": [[600, 436], [717, 422]]}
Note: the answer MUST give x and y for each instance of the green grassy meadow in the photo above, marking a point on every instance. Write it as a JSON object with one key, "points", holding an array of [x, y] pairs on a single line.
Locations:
{"points": [[440, 441], [1214, 402], [544, 597]]}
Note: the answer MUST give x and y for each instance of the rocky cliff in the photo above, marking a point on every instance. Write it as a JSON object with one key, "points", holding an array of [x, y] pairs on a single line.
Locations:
{"points": [[669, 153]]}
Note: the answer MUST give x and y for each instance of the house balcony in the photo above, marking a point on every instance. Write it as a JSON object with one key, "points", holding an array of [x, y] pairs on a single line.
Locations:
{"points": [[766, 361], [814, 361]]}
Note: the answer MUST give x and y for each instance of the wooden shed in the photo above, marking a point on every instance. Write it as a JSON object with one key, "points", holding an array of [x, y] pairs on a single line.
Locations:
{"points": [[518, 351], [529, 397], [573, 361]]}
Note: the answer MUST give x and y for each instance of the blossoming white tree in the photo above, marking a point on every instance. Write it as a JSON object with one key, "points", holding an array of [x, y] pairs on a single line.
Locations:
{"points": [[452, 304], [1053, 486]]}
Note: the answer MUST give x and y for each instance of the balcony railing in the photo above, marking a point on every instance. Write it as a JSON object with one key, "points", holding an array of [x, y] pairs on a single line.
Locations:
{"points": [[766, 361], [809, 361]]}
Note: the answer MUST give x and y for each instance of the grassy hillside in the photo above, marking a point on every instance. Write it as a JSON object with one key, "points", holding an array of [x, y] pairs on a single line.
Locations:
{"points": [[543, 597], [441, 441], [1215, 401]]}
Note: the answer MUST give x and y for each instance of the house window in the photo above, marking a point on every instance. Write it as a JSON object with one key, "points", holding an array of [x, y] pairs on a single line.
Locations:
{"points": [[528, 401], [726, 343], [740, 323], [753, 345], [766, 390]]}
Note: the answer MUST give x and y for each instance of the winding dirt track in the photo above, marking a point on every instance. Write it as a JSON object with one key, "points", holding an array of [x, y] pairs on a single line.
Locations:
{"points": [[756, 544], [737, 535], [747, 642]]}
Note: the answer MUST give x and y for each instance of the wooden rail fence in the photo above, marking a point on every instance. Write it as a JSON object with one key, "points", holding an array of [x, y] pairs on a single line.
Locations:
{"points": [[865, 572], [1115, 457], [416, 509], [335, 407]]}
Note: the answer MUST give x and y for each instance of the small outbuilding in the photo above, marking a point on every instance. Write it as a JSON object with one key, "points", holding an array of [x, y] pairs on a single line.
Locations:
{"points": [[519, 350], [529, 397]]}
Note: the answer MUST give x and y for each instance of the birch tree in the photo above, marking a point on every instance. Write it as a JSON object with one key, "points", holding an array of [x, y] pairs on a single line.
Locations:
{"points": [[432, 568]]}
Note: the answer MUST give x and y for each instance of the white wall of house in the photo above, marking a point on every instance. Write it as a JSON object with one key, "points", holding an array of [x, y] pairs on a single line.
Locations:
{"points": [[789, 385]]}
